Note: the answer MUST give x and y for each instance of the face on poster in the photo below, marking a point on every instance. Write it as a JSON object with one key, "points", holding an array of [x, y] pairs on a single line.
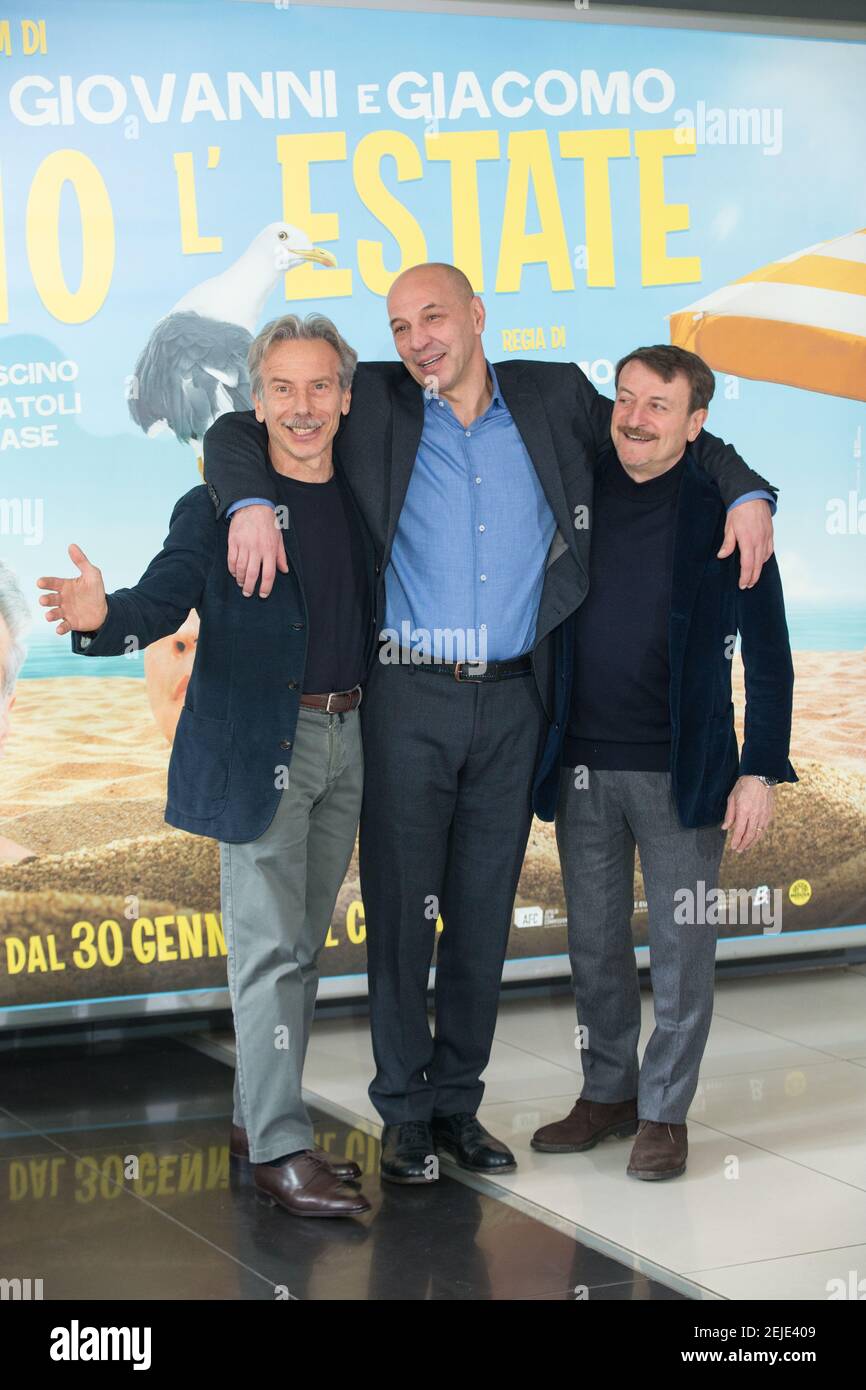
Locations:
{"points": [[602, 186]]}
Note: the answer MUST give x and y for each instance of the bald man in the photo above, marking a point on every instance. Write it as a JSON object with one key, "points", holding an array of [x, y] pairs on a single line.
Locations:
{"points": [[475, 482]]}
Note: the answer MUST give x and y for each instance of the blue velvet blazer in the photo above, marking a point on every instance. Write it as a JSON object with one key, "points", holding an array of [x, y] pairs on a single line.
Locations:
{"points": [[707, 608]]}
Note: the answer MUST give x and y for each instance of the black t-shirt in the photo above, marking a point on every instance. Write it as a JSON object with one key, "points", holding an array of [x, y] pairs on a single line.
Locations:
{"points": [[335, 584], [620, 705]]}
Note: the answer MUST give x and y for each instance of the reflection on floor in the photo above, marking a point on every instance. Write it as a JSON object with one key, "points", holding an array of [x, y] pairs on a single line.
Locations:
{"points": [[115, 1183], [773, 1202]]}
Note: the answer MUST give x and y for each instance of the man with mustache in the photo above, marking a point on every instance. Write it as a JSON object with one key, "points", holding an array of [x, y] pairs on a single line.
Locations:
{"points": [[267, 755], [475, 483], [649, 758]]}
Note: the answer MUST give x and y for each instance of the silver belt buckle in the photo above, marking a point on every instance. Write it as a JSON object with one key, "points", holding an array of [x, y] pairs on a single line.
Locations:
{"points": [[332, 693]]}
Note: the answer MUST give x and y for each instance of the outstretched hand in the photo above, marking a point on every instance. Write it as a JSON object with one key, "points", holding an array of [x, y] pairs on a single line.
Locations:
{"points": [[78, 603]]}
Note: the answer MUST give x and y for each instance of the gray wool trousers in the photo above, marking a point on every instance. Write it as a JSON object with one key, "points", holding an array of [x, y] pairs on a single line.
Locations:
{"points": [[278, 894], [598, 826]]}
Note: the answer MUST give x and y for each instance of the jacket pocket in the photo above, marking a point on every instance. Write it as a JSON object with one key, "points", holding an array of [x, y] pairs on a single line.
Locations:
{"points": [[198, 772]]}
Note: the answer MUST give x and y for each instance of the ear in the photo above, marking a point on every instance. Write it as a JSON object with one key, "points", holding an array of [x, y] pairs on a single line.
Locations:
{"points": [[696, 423], [259, 409], [346, 401], [479, 313]]}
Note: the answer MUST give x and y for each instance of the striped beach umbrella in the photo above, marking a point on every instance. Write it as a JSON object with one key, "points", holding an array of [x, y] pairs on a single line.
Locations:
{"points": [[800, 321]]}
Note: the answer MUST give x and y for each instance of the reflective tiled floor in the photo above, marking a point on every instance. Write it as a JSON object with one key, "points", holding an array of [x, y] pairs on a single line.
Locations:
{"points": [[773, 1202], [115, 1183], [772, 1205]]}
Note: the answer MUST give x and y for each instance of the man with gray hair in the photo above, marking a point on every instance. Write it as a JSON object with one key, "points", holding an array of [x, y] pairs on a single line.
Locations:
{"points": [[14, 622], [475, 480], [267, 756]]}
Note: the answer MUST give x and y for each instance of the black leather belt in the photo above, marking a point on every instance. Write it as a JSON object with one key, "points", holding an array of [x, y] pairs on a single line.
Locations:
{"points": [[337, 702], [476, 671]]}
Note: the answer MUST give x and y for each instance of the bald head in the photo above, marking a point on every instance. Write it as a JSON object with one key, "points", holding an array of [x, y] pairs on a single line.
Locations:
{"points": [[435, 272], [437, 320]]}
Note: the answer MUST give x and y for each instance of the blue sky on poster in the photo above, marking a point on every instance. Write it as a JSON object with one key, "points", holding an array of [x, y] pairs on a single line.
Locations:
{"points": [[112, 490]]}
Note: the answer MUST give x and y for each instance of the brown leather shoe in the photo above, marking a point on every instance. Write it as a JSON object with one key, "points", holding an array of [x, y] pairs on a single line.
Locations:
{"points": [[659, 1151], [587, 1123], [345, 1169], [306, 1186]]}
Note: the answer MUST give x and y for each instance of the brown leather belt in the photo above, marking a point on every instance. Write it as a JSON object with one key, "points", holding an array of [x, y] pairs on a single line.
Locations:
{"points": [[337, 702]]}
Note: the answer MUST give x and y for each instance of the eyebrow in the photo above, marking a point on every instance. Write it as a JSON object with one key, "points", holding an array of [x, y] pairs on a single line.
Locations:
{"points": [[423, 309], [652, 398], [314, 381]]}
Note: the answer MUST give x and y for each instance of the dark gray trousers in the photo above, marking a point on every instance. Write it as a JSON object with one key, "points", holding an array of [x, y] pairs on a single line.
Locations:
{"points": [[444, 825], [597, 828]]}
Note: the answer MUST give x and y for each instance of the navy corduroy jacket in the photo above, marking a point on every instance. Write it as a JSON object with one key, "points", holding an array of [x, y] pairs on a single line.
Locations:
{"points": [[237, 727], [707, 608]]}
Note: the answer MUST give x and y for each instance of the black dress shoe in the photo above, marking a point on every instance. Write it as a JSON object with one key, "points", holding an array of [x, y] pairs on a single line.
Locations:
{"points": [[464, 1138], [408, 1153]]}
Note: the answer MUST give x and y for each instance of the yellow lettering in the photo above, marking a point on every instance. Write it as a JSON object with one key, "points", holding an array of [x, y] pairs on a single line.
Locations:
{"points": [[463, 149], [192, 243], [595, 148], [386, 208], [295, 154], [657, 217], [356, 926], [529, 160], [97, 236]]}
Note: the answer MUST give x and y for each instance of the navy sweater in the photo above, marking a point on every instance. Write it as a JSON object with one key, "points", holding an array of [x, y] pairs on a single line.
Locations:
{"points": [[620, 710]]}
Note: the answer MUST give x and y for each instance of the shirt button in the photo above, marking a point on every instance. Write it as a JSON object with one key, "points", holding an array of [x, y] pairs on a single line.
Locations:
{"points": [[483, 578], [293, 685], [482, 527], [285, 743], [468, 433], [298, 627], [478, 480]]}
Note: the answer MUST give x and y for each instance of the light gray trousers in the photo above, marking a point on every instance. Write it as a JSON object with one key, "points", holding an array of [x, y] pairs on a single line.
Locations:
{"points": [[597, 828], [278, 894]]}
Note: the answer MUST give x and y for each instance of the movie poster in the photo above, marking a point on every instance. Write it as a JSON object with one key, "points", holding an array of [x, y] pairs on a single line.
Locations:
{"points": [[602, 186]]}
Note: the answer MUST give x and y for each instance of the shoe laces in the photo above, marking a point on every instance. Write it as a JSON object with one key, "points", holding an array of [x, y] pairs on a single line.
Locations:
{"points": [[414, 1132], [643, 1124], [465, 1122]]}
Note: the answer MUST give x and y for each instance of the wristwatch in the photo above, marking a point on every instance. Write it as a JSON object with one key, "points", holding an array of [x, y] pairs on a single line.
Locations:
{"points": [[768, 781]]}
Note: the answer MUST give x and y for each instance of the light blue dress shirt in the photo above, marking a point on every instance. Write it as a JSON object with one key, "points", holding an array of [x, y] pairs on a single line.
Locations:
{"points": [[469, 552]]}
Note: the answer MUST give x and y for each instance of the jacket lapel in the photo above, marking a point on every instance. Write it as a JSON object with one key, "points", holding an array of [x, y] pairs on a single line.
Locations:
{"points": [[530, 417], [407, 423]]}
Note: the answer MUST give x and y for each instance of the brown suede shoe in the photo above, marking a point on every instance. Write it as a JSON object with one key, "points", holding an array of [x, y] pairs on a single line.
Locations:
{"points": [[306, 1186], [587, 1123], [345, 1169], [659, 1151]]}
